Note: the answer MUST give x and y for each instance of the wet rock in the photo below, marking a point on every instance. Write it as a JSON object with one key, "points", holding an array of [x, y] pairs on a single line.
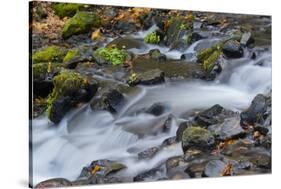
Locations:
{"points": [[110, 101], [187, 56], [157, 109], [196, 167], [169, 141], [232, 49], [151, 77], [177, 34], [149, 153], [101, 168], [195, 37], [255, 113], [198, 138], [78, 55], [108, 180], [229, 129], [214, 168], [126, 43], [157, 55], [81, 22], [247, 40], [215, 114], [70, 89], [53, 183], [181, 129], [125, 27], [150, 175]]}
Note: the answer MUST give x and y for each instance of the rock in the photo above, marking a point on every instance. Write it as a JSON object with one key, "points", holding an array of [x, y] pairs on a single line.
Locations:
{"points": [[108, 180], [110, 101], [173, 69], [101, 168], [177, 33], [70, 88], [151, 77], [214, 168], [169, 141], [196, 167], [149, 175], [49, 54], [195, 37], [187, 56], [126, 43], [66, 9], [53, 183], [181, 129], [157, 109], [125, 27], [215, 114], [246, 39], [255, 113], [81, 22], [232, 49], [229, 129], [149, 153], [77, 55], [198, 138], [157, 55]]}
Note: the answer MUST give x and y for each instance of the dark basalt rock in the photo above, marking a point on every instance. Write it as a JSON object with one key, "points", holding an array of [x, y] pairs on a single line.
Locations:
{"points": [[110, 101], [59, 108], [214, 115], [151, 77], [53, 183], [126, 43], [255, 113], [157, 55], [169, 141], [229, 129], [214, 168], [181, 129], [232, 49], [125, 27], [150, 175], [149, 153]]}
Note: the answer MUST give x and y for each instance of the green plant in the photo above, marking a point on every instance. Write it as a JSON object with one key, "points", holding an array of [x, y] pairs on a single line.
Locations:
{"points": [[209, 56], [113, 55], [152, 38], [71, 54]]}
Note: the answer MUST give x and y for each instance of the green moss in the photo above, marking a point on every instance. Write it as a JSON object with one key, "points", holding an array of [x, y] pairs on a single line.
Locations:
{"points": [[65, 84], [209, 56], [66, 9], [81, 22], [114, 56], [196, 134], [49, 54], [152, 38], [39, 70], [71, 54], [133, 78]]}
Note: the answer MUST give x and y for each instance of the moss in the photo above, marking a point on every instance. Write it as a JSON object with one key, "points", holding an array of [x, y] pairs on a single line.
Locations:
{"points": [[209, 56], [152, 38], [82, 22], [39, 70], [65, 84], [49, 54], [196, 134], [66, 9], [133, 78], [113, 55], [71, 54]]}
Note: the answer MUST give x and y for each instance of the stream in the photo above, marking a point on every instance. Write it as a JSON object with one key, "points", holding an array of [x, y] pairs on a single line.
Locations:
{"points": [[83, 135]]}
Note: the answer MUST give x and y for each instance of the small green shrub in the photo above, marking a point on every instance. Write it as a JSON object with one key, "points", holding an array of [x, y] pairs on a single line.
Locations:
{"points": [[152, 38], [113, 55]]}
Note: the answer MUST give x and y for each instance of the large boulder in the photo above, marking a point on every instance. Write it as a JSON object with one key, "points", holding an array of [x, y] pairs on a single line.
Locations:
{"points": [[81, 22], [66, 9], [232, 49], [214, 115], [151, 77], [70, 88], [256, 112], [198, 138]]}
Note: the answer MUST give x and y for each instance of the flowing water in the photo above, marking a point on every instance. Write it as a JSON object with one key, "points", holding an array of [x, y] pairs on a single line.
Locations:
{"points": [[84, 135]]}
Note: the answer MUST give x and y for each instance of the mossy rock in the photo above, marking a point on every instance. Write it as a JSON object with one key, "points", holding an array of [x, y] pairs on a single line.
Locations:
{"points": [[70, 88], [197, 137], [209, 56], [113, 56], [66, 9], [81, 22], [71, 55], [49, 54], [152, 38]]}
